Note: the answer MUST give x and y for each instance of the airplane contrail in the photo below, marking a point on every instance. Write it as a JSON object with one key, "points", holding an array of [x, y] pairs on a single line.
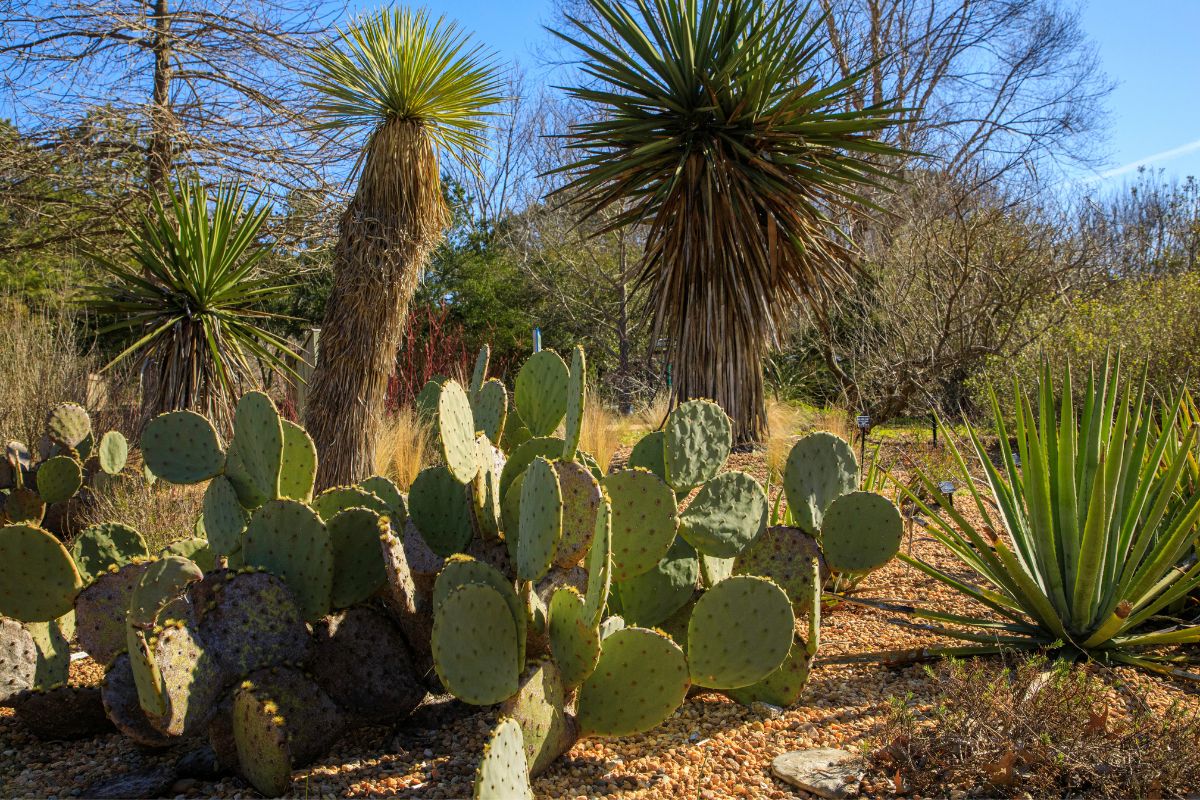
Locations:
{"points": [[1165, 155]]}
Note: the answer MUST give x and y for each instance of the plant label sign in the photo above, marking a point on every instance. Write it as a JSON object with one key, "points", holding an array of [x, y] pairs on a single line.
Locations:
{"points": [[864, 422]]}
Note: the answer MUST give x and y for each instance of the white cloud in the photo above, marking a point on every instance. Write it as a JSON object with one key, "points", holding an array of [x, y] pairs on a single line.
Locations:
{"points": [[1165, 155]]}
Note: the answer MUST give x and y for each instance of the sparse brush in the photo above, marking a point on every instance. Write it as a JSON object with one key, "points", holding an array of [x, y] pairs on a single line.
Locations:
{"points": [[1033, 728], [650, 416], [404, 447], [783, 419], [602, 433], [163, 513]]}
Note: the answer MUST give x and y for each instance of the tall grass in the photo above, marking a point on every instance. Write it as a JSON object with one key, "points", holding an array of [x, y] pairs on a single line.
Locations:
{"points": [[405, 446], [602, 433], [163, 513]]}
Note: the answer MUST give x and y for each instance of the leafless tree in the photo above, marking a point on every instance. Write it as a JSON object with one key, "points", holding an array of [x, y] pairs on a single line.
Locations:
{"points": [[1149, 229]]}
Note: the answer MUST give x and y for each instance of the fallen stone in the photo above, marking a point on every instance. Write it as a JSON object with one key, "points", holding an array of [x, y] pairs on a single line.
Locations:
{"points": [[766, 710], [826, 772], [153, 782]]}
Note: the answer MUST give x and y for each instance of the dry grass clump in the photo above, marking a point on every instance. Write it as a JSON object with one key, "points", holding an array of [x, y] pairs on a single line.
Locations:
{"points": [[404, 447], [653, 414], [163, 513], [602, 433], [783, 420], [1032, 728]]}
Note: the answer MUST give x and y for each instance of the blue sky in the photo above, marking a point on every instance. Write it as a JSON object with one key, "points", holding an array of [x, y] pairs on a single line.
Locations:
{"points": [[1148, 47]]}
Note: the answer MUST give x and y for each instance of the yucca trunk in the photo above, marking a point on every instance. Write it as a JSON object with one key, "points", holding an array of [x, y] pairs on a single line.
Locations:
{"points": [[387, 232]]}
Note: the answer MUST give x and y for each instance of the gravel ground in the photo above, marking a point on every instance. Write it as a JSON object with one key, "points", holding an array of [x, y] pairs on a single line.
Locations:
{"points": [[711, 747]]}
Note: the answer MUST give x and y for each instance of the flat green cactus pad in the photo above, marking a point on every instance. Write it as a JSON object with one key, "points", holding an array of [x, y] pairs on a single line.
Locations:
{"points": [[641, 679], [38, 578], [439, 507], [287, 539], [485, 490], [191, 680], [258, 438], [650, 453], [503, 772], [539, 708], [163, 582], [581, 501], [100, 611], [820, 468], [461, 570], [224, 517], [644, 521], [18, 659], [426, 402], [298, 464], [541, 520], [68, 425], [739, 633], [510, 516], [53, 642], [196, 549], [610, 626], [648, 599], [541, 392], [357, 563], [389, 493], [782, 687], [104, 547], [249, 620], [470, 615], [59, 478], [491, 409], [336, 499], [699, 436], [479, 374], [113, 452], [260, 731], [182, 447], [726, 515], [862, 531], [24, 505], [599, 564], [714, 570], [576, 402], [519, 459], [456, 429], [574, 640], [784, 554]]}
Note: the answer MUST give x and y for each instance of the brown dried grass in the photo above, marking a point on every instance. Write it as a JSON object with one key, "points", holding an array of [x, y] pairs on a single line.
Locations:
{"points": [[405, 446]]}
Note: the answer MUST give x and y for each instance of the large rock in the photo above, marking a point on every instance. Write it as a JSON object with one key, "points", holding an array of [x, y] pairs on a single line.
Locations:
{"points": [[826, 772]]}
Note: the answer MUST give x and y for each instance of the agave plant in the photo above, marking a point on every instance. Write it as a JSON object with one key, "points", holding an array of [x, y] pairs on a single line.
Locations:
{"points": [[421, 89], [1084, 544], [190, 292], [712, 129]]}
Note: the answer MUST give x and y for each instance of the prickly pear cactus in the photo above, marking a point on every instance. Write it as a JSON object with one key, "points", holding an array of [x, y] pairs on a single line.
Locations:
{"points": [[182, 447], [644, 521], [471, 614], [38, 577], [105, 547], [503, 772], [541, 392], [642, 677], [59, 478], [698, 438], [739, 633], [820, 468], [860, 532], [287, 539]]}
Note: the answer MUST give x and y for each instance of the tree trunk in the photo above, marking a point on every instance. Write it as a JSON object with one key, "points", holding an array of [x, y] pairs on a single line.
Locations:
{"points": [[387, 232], [713, 364], [159, 156]]}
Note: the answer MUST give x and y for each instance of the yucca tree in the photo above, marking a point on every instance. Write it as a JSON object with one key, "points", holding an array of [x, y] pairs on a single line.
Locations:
{"points": [[421, 89], [191, 292], [1086, 544], [712, 129]]}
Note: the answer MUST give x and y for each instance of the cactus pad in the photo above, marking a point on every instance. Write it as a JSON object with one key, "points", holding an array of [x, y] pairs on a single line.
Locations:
{"points": [[104, 547], [641, 679], [38, 578], [439, 507], [576, 402], [470, 616], [24, 505], [784, 555], [298, 464], [581, 501], [461, 570], [503, 772], [649, 453], [249, 620], [426, 401], [644, 521], [491, 409], [68, 425], [479, 374], [485, 490], [714, 570], [336, 499], [599, 564], [539, 708], [357, 565], [52, 641], [258, 438], [541, 520], [287, 539], [224, 517], [861, 532], [648, 599], [182, 447], [59, 478], [412, 609], [782, 687], [18, 659], [191, 680], [162, 583], [100, 611], [120, 697], [739, 633], [510, 516], [820, 468], [726, 515], [456, 426], [574, 640], [389, 493], [260, 731], [541, 392], [521, 457], [195, 549], [699, 436], [113, 452]]}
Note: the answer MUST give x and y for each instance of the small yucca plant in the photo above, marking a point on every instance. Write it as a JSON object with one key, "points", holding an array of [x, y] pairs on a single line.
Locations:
{"points": [[1084, 544], [190, 293]]}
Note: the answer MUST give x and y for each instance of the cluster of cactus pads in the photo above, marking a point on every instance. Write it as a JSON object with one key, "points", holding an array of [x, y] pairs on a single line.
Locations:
{"points": [[601, 604], [70, 461], [515, 573]]}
